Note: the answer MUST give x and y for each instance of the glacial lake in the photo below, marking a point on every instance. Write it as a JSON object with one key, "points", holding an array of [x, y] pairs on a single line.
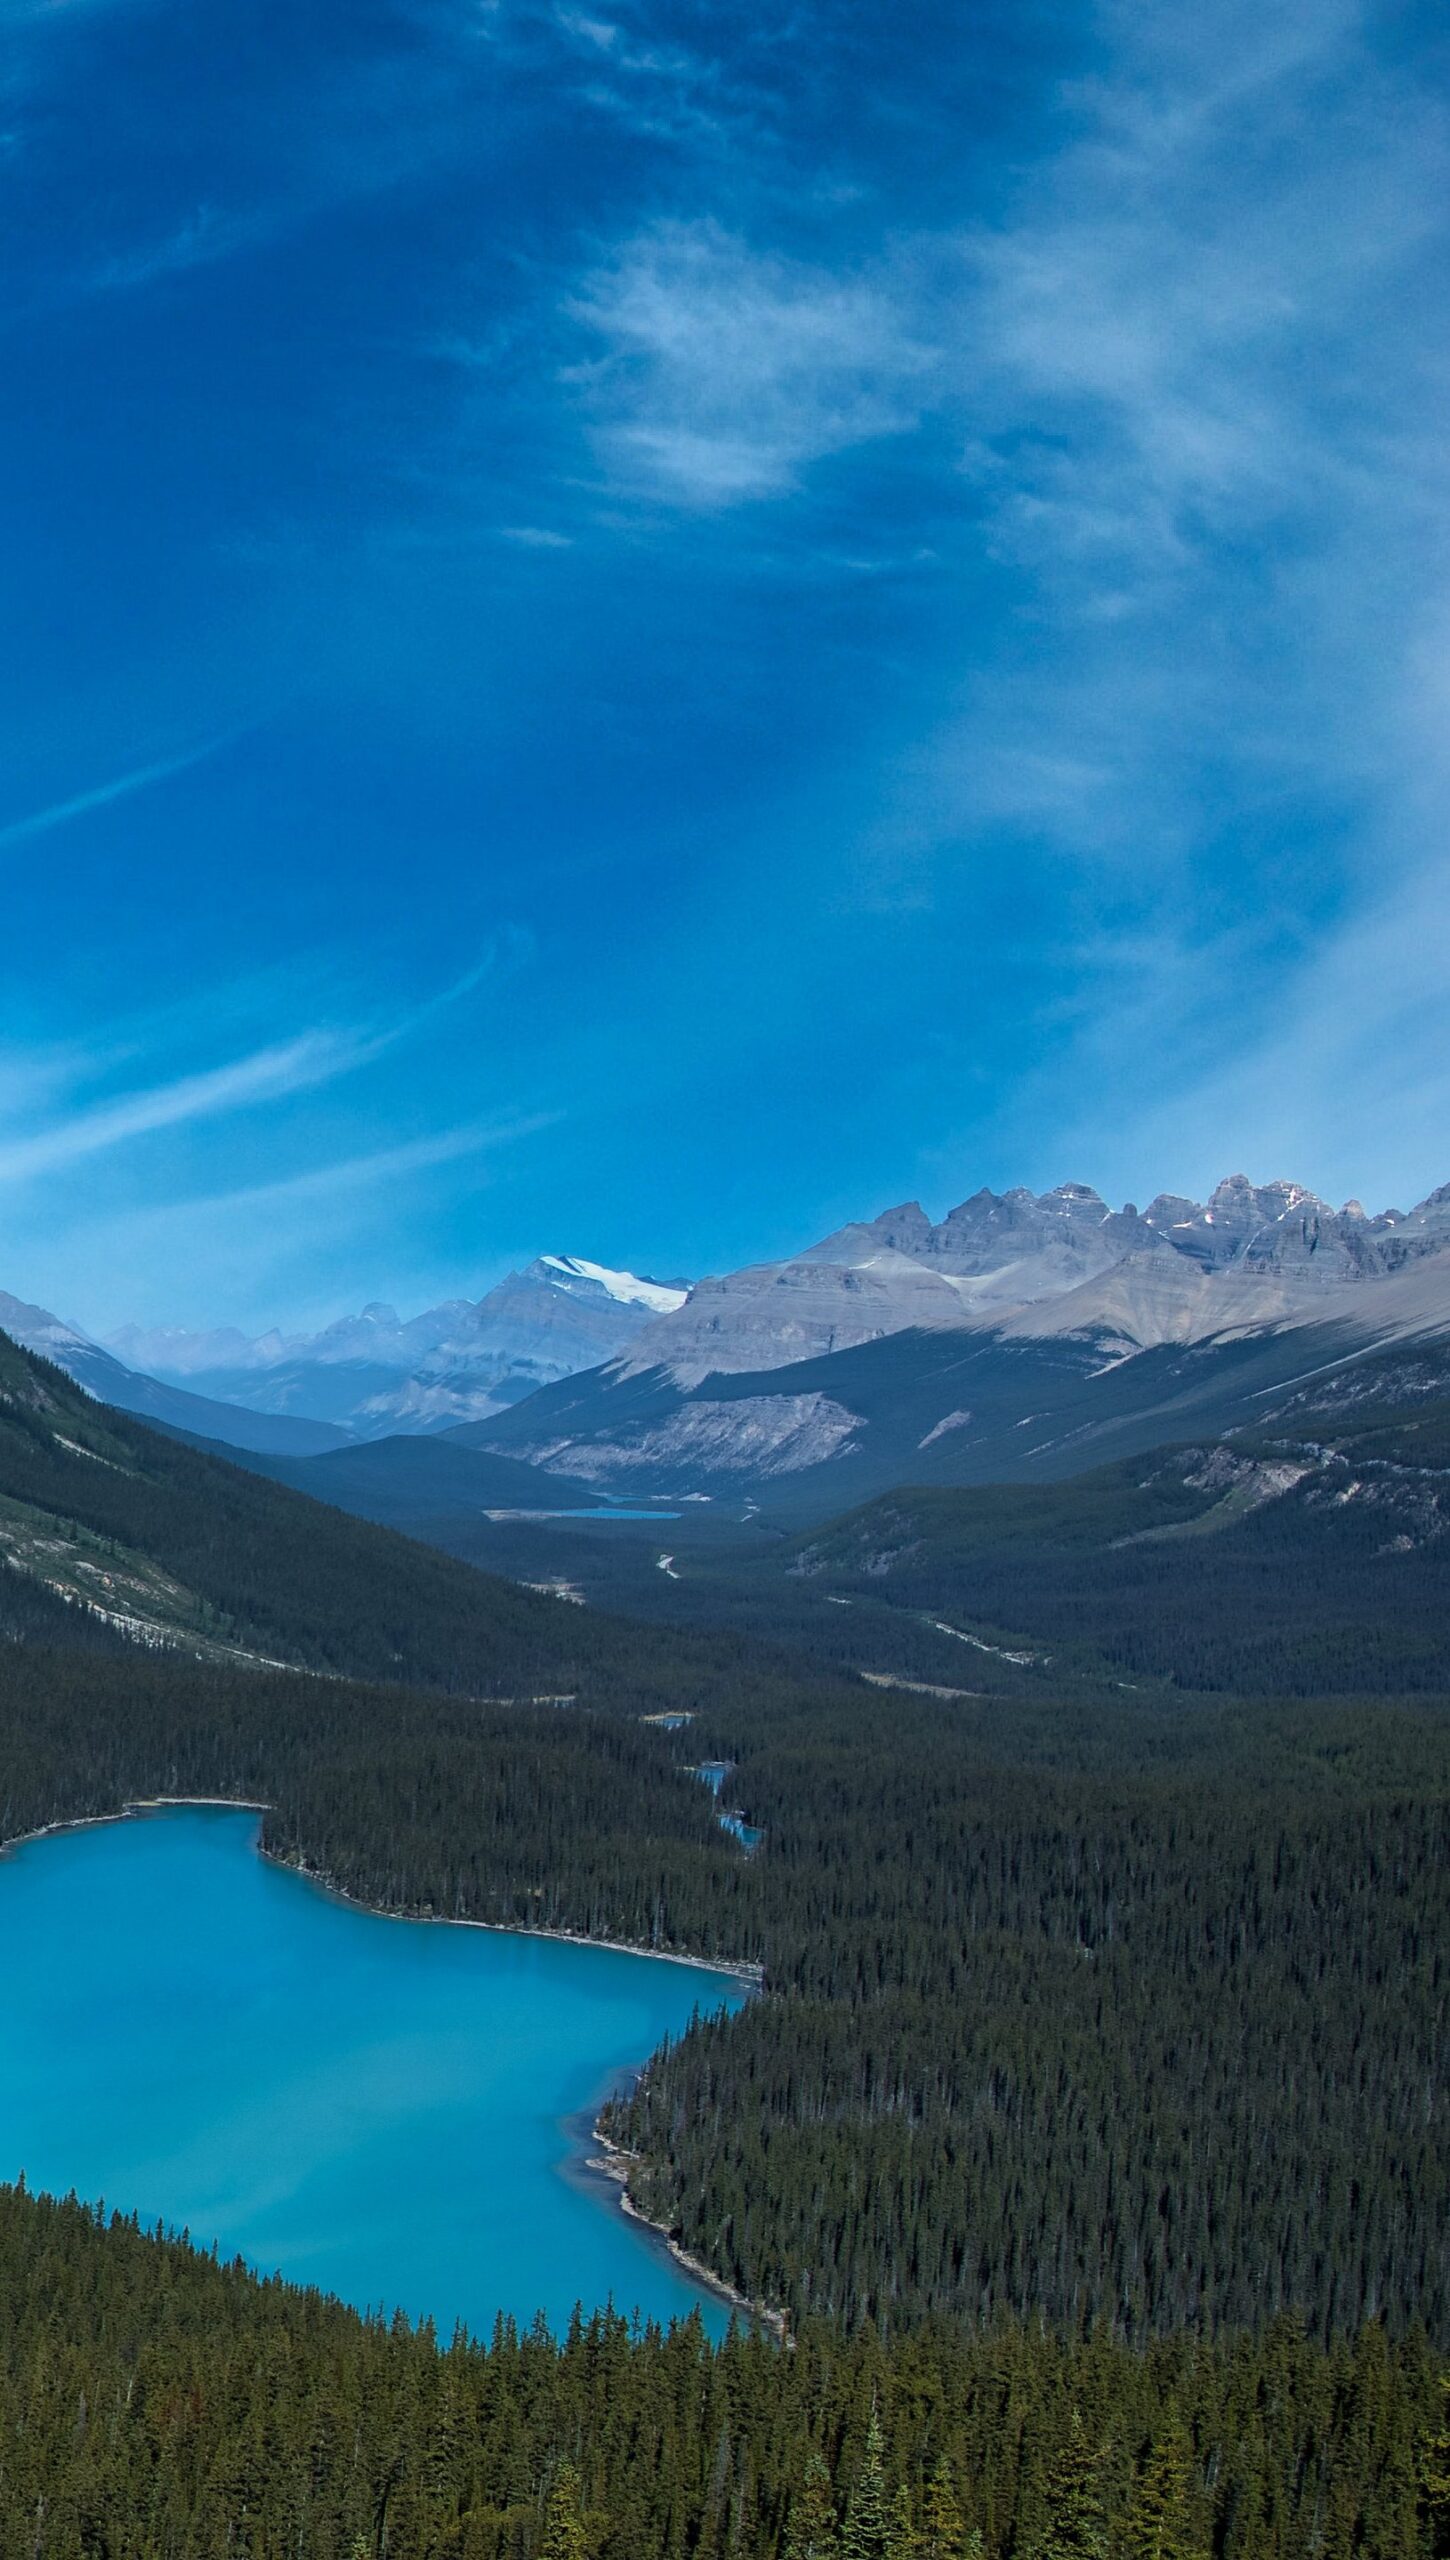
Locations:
{"points": [[390, 2109]]}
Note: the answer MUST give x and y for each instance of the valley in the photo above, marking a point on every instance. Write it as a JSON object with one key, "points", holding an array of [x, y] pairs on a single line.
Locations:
{"points": [[1086, 1833]]}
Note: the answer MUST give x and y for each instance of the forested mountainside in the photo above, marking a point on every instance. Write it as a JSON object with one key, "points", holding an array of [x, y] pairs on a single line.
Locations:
{"points": [[154, 2403], [1079, 2014], [1306, 1555], [115, 1535], [1106, 2007], [1311, 1556]]}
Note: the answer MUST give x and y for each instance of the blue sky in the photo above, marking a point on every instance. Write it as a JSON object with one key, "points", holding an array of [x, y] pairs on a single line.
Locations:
{"points": [[639, 629]]}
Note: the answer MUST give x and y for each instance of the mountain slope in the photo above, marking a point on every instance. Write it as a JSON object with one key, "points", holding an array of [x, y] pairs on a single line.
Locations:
{"points": [[176, 1408], [233, 1564], [118, 1539], [1310, 1553], [1019, 1400]]}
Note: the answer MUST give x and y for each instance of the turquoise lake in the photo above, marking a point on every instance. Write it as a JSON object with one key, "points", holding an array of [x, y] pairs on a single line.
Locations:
{"points": [[386, 2108]]}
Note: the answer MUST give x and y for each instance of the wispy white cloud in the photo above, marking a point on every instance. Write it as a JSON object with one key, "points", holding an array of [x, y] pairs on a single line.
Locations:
{"points": [[203, 236], [702, 100], [124, 786], [323, 1185], [1197, 367], [267, 1075], [1343, 1082], [388, 1164], [727, 370], [1191, 320], [296, 1241], [270, 1073]]}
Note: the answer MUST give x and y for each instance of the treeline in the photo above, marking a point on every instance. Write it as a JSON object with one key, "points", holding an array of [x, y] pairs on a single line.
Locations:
{"points": [[157, 2406]]}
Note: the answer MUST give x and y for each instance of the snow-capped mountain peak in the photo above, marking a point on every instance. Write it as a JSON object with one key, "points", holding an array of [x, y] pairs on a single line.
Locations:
{"points": [[625, 1287]]}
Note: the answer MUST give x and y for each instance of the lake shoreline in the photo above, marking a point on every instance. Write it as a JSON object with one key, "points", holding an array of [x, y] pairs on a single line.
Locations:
{"points": [[752, 1976], [612, 2161], [733, 1969], [606, 2158]]}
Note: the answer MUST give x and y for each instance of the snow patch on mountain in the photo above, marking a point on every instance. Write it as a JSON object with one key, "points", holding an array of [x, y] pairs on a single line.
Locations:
{"points": [[378, 1372], [625, 1287]]}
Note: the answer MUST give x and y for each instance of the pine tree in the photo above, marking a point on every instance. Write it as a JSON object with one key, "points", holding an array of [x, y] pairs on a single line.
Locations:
{"points": [[1076, 2524], [811, 2533], [943, 2532], [903, 2541], [1435, 2482], [563, 2522], [1160, 2518], [867, 2534]]}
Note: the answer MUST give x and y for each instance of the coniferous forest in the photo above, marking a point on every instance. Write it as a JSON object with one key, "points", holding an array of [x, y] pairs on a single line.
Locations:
{"points": [[153, 2402], [1088, 2126]]}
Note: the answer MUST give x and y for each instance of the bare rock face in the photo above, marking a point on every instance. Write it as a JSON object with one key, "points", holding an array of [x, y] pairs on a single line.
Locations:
{"points": [[781, 1312], [1285, 1232], [750, 1435], [1051, 1263], [1017, 1245]]}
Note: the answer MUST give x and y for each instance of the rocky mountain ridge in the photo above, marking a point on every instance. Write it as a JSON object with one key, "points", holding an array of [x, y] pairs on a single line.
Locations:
{"points": [[1019, 1333], [1179, 1270], [1013, 1268]]}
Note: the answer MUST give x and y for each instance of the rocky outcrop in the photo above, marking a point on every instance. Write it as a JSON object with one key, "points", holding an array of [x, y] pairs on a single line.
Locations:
{"points": [[783, 1312], [750, 1436]]}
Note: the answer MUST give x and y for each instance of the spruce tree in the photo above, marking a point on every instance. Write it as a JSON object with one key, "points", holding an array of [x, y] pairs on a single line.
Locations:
{"points": [[811, 2532], [1435, 2482], [1160, 2518], [1076, 2527], [867, 2534], [943, 2529], [903, 2542], [563, 2537]]}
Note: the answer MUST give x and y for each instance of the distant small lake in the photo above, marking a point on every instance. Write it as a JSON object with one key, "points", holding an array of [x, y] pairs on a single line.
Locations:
{"points": [[605, 1511], [389, 2109]]}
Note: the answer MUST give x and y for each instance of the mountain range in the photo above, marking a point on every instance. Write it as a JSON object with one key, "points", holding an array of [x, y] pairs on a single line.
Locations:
{"points": [[1176, 1271], [365, 1375], [1024, 1334]]}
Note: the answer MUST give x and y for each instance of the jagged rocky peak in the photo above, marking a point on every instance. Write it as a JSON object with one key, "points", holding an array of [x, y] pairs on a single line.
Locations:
{"points": [[906, 1229], [1048, 1239], [1019, 1246], [1238, 1216], [1284, 1229], [1074, 1200]]}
